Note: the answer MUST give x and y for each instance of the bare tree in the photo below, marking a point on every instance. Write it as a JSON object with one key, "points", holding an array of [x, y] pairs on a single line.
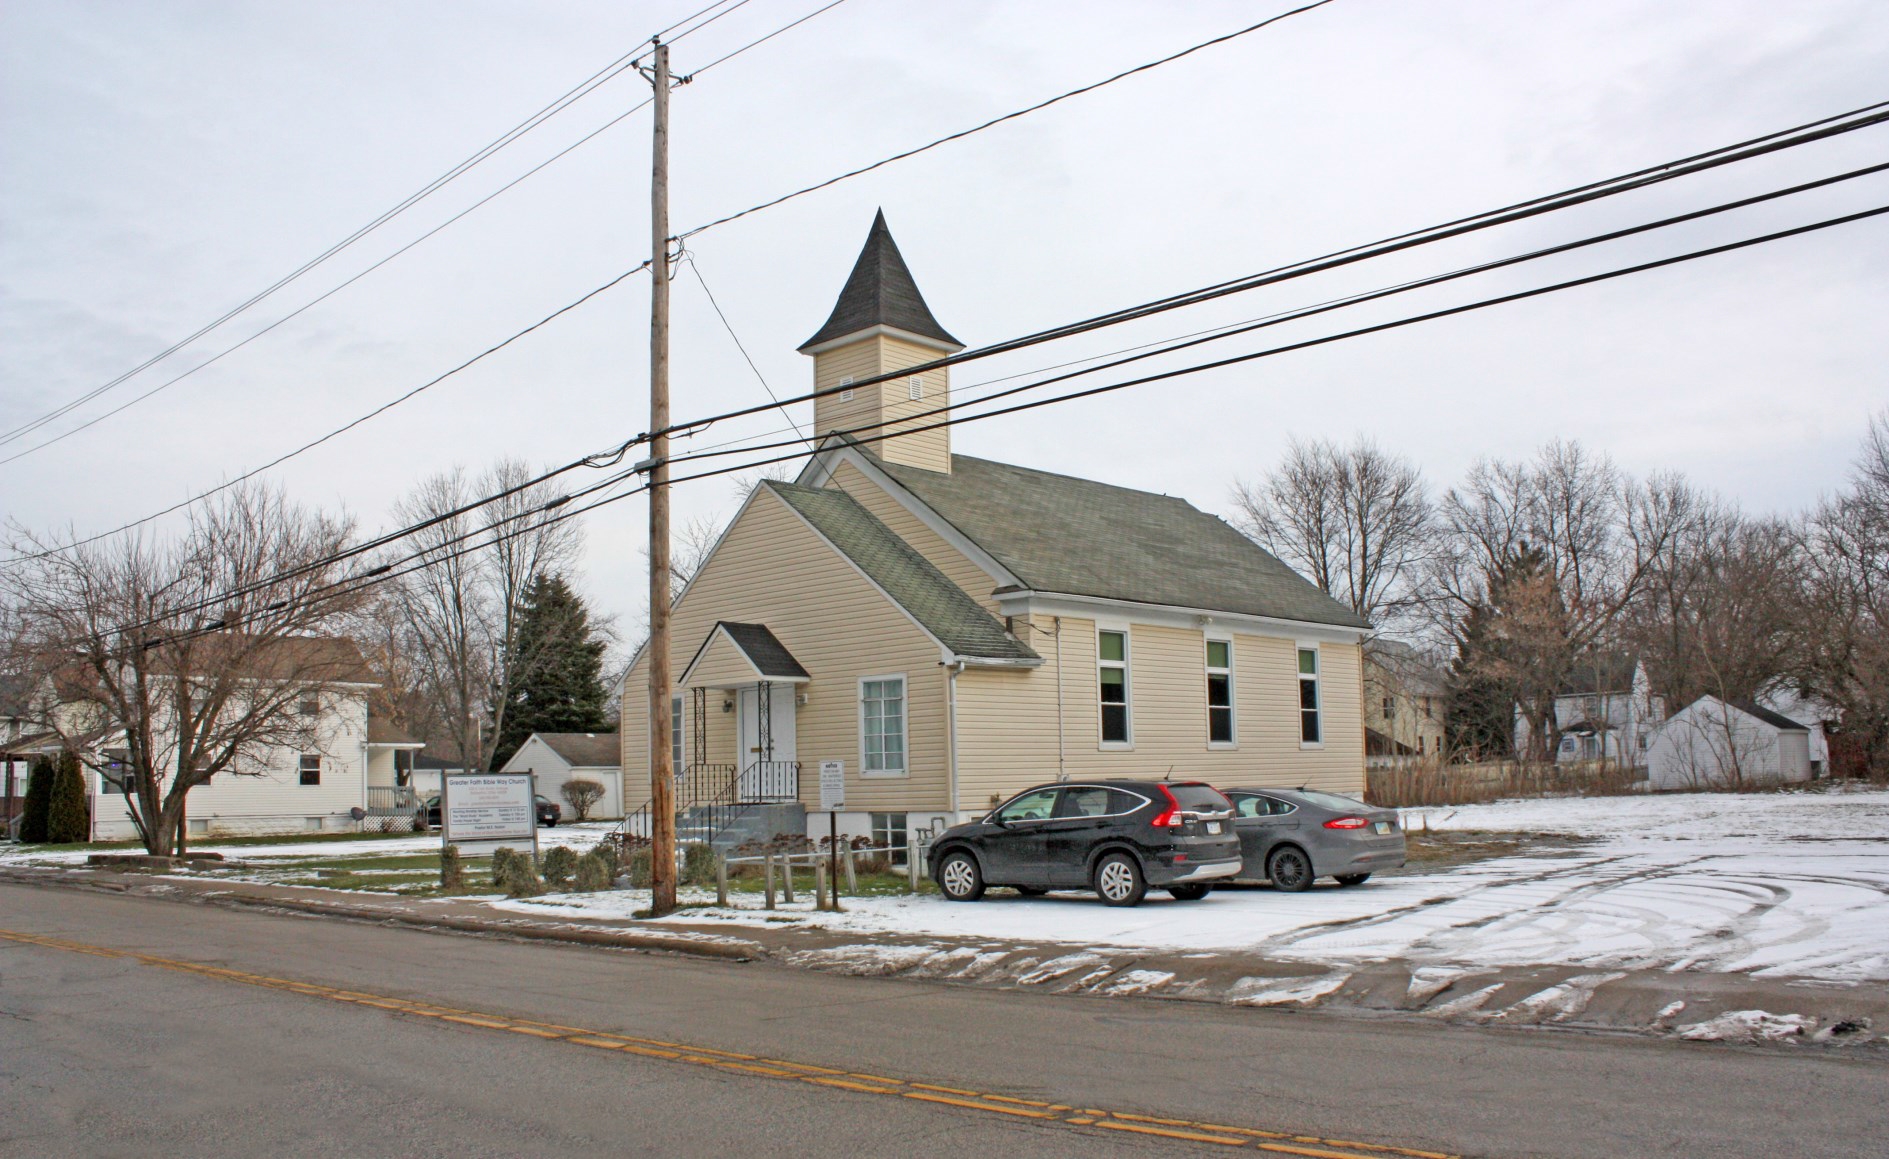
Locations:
{"points": [[1354, 520], [462, 607], [1846, 659], [189, 658], [1599, 536]]}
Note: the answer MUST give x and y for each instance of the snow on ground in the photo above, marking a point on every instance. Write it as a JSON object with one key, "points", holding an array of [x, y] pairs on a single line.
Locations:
{"points": [[579, 837], [1773, 884]]}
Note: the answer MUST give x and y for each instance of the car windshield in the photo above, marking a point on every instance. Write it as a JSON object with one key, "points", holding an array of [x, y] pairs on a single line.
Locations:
{"points": [[1331, 801], [1200, 798]]}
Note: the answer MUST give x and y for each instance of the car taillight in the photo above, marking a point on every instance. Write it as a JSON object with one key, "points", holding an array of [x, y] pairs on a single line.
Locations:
{"points": [[1346, 823], [1169, 817]]}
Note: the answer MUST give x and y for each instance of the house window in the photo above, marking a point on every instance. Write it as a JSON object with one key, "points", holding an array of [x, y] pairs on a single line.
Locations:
{"points": [[882, 725], [1309, 733], [311, 768], [309, 705], [1428, 714], [1112, 671], [914, 388], [888, 832], [1220, 692], [1390, 707], [675, 733], [846, 395]]}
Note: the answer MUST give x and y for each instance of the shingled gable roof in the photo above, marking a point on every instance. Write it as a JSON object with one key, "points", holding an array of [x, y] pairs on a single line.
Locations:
{"points": [[584, 750], [880, 292], [1071, 536], [769, 658], [913, 582]]}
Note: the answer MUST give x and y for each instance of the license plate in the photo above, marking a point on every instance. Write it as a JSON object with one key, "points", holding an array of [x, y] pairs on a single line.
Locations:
{"points": [[1383, 826], [1213, 827]]}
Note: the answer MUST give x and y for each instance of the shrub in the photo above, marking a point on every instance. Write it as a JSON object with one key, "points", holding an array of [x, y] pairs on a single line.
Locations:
{"points": [[33, 817], [559, 864], [67, 818], [582, 796], [611, 855], [637, 868], [594, 872], [452, 870], [514, 873], [698, 864]]}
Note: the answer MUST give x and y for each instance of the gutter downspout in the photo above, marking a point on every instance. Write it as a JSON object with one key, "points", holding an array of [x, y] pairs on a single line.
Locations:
{"points": [[952, 670], [1062, 772]]}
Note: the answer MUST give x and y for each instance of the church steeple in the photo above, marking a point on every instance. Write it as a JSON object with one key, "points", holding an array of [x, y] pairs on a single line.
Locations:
{"points": [[881, 325]]}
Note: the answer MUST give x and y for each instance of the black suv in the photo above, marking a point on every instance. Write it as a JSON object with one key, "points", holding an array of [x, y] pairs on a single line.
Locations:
{"points": [[1114, 837]]}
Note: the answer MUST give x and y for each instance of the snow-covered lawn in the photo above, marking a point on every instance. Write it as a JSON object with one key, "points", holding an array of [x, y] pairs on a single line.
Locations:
{"points": [[579, 837], [1774, 884]]}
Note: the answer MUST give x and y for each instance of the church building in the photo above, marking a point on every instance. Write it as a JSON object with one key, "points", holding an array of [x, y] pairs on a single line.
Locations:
{"points": [[952, 630]]}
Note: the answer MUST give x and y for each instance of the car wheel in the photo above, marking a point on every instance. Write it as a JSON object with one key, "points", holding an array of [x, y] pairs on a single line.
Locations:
{"points": [[959, 877], [1031, 890], [1352, 878], [1188, 892], [1290, 870], [1119, 881]]}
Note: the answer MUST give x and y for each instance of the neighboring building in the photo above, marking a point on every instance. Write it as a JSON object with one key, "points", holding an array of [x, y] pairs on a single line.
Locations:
{"points": [[1715, 744], [1606, 710], [560, 757], [1403, 704], [954, 629], [1810, 712]]}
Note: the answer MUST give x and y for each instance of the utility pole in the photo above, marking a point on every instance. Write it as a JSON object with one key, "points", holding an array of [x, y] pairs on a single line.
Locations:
{"points": [[662, 773]]}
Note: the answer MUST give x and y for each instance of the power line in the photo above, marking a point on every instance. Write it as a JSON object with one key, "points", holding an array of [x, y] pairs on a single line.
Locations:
{"points": [[350, 425], [1024, 112], [1812, 131], [382, 573], [763, 40], [696, 269], [570, 97], [1156, 349]]}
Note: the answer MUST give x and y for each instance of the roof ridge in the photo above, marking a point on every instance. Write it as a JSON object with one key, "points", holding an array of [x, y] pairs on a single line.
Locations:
{"points": [[880, 291]]}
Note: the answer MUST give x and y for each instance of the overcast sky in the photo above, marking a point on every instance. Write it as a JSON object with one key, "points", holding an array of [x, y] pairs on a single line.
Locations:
{"points": [[160, 162]]}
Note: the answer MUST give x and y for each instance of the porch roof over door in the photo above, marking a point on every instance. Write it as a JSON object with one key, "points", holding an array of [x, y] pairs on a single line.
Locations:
{"points": [[735, 654]]}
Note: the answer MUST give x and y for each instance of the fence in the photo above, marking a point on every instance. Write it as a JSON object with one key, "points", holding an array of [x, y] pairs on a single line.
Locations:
{"points": [[1434, 783], [393, 809]]}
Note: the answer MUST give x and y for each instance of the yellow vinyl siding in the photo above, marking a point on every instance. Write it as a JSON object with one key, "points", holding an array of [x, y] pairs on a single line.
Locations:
{"points": [[1007, 719], [772, 569], [722, 666], [883, 405], [956, 566]]}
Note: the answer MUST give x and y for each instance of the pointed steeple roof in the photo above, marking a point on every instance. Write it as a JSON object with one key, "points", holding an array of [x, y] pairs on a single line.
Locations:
{"points": [[880, 292]]}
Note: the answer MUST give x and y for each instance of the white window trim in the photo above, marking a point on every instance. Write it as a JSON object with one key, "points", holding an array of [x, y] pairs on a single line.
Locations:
{"points": [[1233, 688], [1128, 685], [1318, 682], [846, 395], [905, 726], [678, 720], [914, 388]]}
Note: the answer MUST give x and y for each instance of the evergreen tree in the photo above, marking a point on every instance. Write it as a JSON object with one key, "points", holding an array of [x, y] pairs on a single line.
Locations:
{"points": [[67, 818], [560, 661], [38, 800], [1510, 651]]}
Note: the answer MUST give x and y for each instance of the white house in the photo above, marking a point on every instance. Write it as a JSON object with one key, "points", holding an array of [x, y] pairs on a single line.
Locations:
{"points": [[1712, 743], [1605, 710], [561, 757]]}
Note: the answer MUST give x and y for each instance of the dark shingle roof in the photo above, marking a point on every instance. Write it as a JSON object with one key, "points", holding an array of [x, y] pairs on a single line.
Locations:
{"points": [[912, 581], [769, 656], [1600, 673], [1080, 537], [1774, 719], [585, 749], [880, 292], [380, 731]]}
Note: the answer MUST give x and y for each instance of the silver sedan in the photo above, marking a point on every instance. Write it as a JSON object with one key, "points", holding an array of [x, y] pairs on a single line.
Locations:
{"points": [[1292, 837]]}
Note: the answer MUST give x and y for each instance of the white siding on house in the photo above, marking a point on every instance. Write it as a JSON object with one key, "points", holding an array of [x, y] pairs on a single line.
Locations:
{"points": [[268, 796], [554, 772], [1710, 744]]}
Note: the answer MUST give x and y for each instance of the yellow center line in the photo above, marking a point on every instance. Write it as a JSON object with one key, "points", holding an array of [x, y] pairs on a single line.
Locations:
{"points": [[1047, 1113]]}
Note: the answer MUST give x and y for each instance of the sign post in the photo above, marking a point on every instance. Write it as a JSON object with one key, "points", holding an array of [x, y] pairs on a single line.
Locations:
{"points": [[484, 811], [833, 799]]}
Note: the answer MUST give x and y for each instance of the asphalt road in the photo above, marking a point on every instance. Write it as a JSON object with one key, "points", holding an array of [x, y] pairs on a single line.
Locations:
{"points": [[103, 1054]]}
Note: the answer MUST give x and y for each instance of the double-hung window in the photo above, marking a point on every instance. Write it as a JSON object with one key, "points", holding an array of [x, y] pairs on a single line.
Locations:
{"points": [[889, 832], [1220, 692], [1112, 673], [1309, 731], [882, 726], [311, 769], [675, 733]]}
